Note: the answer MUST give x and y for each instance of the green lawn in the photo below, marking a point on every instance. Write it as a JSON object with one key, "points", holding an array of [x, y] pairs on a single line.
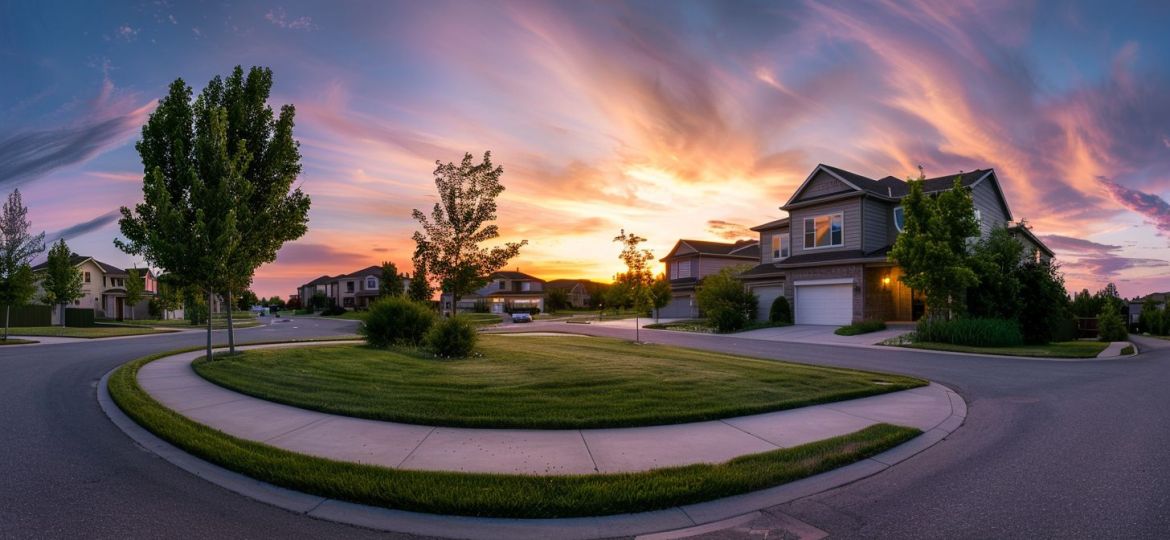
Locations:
{"points": [[14, 341], [539, 382], [350, 315], [497, 495], [1064, 349], [92, 332], [217, 323]]}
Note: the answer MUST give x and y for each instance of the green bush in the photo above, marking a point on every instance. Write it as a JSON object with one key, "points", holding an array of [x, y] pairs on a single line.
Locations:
{"points": [[395, 320], [726, 318], [863, 327], [971, 332], [1110, 327], [724, 301], [1127, 350], [333, 310], [451, 338], [781, 312]]}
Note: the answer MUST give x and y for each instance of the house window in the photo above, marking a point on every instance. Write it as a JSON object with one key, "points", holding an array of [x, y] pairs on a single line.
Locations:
{"points": [[684, 270], [347, 301], [779, 247], [978, 217], [348, 286], [371, 283], [674, 270], [824, 231], [87, 277], [899, 218], [501, 284]]}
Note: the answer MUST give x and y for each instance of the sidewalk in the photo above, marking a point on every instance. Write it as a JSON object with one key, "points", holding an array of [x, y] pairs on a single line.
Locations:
{"points": [[174, 383]]}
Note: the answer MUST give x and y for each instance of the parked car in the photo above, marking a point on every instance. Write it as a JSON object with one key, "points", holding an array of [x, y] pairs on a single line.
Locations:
{"points": [[521, 317]]}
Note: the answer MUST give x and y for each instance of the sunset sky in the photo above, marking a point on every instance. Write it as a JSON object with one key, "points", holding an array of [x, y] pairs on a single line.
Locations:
{"points": [[670, 119]]}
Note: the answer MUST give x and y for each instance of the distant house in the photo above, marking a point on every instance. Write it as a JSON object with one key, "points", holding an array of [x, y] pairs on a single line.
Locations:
{"points": [[578, 290], [355, 290], [692, 260], [103, 288], [504, 292]]}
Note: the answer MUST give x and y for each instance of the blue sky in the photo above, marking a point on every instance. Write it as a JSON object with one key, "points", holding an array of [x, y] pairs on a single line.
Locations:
{"points": [[669, 119]]}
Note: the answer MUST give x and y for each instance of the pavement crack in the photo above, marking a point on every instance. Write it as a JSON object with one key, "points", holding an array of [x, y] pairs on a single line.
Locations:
{"points": [[587, 450]]}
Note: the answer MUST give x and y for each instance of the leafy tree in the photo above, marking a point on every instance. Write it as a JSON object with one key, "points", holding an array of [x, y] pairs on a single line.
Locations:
{"points": [[933, 246], [1110, 326], [597, 292], [725, 302], [1044, 309], [391, 282], [1086, 305], [449, 243], [61, 279], [618, 295], [216, 192], [556, 299], [17, 249], [995, 261], [660, 293], [319, 301], [276, 302], [637, 278], [1152, 319], [135, 284], [420, 284], [246, 300]]}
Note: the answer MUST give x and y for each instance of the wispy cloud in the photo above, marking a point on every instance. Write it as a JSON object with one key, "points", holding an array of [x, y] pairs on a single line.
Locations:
{"points": [[1150, 206], [729, 231], [280, 19], [83, 228]]}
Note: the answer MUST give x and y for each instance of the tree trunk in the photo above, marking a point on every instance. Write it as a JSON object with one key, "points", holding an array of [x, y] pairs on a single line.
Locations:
{"points": [[210, 298], [7, 315], [231, 331]]}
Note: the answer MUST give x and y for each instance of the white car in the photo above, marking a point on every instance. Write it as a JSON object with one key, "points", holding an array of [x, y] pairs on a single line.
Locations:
{"points": [[521, 317]]}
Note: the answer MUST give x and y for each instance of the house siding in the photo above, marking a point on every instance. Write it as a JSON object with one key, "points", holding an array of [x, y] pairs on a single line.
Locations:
{"points": [[822, 184], [878, 222], [712, 264], [766, 243], [991, 211], [852, 223]]}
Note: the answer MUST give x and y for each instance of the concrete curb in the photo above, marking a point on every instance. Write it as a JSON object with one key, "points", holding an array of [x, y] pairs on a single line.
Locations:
{"points": [[678, 521]]}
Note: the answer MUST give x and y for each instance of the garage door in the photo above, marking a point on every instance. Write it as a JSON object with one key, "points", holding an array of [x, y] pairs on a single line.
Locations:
{"points": [[824, 304], [767, 295], [679, 308]]}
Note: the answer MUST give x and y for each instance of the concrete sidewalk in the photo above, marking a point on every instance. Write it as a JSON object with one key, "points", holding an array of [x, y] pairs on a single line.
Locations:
{"points": [[174, 383]]}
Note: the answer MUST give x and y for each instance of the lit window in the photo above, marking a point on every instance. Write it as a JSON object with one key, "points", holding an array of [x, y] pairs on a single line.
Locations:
{"points": [[899, 218], [779, 247], [824, 231]]}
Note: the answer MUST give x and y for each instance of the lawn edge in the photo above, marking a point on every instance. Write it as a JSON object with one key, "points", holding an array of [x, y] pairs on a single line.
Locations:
{"points": [[919, 347], [477, 527]]}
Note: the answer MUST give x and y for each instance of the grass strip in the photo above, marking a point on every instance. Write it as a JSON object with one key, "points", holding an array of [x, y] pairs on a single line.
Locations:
{"points": [[539, 382], [496, 495], [87, 332], [14, 341], [1063, 349], [858, 328]]}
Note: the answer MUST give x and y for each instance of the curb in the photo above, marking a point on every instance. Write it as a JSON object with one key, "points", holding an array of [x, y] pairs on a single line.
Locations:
{"points": [[677, 520]]}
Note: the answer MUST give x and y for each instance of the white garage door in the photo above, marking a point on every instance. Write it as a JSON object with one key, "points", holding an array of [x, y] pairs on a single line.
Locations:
{"points": [[767, 295], [824, 304]]}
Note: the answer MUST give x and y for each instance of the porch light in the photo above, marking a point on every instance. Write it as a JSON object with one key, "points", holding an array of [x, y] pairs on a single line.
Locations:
{"points": [[886, 281]]}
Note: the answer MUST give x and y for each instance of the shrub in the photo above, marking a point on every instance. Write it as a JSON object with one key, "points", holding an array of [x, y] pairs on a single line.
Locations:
{"points": [[863, 327], [725, 302], [332, 311], [1127, 350], [395, 320], [781, 312], [726, 318], [1110, 327], [451, 338], [971, 332]]}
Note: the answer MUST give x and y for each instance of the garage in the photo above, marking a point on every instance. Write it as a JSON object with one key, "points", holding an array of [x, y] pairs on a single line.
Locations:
{"points": [[680, 307], [824, 303], [767, 295]]}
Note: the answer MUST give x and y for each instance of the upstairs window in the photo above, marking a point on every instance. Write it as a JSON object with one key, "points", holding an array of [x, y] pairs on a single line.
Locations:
{"points": [[899, 218], [371, 283], [779, 247], [824, 231], [684, 269], [501, 284], [87, 277], [348, 286]]}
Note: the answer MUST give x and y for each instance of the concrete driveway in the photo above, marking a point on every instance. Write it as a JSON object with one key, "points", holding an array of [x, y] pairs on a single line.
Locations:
{"points": [[823, 335]]}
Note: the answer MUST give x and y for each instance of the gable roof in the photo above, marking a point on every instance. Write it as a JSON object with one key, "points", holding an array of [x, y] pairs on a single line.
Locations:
{"points": [[504, 274], [741, 249], [566, 283], [890, 188], [372, 269], [782, 222], [78, 260]]}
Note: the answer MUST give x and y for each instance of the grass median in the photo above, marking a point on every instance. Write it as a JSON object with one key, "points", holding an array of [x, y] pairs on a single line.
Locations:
{"points": [[539, 382], [1063, 349], [495, 495], [85, 332]]}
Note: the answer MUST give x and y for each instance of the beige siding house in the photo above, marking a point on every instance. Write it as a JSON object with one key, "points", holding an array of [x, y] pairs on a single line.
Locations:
{"points": [[103, 288]]}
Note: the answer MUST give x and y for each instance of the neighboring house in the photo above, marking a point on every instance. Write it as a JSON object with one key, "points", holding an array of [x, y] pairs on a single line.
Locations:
{"points": [[691, 261], [1135, 305], [576, 289], [103, 289], [504, 292], [355, 290], [829, 256]]}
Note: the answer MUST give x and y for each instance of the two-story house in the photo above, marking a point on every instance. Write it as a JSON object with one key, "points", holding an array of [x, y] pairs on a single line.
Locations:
{"points": [[829, 256], [103, 289], [692, 260], [503, 292], [355, 290], [578, 290]]}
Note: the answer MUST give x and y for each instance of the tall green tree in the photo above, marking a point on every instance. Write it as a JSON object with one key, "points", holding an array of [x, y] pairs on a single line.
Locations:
{"points": [[420, 285], [218, 200], [17, 248], [135, 285], [637, 279], [933, 246], [660, 293], [995, 261], [556, 300], [724, 301], [60, 279], [449, 242], [391, 282]]}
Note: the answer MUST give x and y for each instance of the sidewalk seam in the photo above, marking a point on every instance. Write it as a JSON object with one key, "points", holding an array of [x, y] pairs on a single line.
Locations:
{"points": [[416, 447], [296, 429], [724, 422], [587, 450]]}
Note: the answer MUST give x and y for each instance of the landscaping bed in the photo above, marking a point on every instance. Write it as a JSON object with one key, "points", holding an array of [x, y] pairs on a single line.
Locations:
{"points": [[496, 495], [703, 326], [86, 332], [539, 382], [1064, 349]]}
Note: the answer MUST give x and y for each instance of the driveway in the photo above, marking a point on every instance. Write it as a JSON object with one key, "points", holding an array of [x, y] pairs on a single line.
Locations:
{"points": [[823, 335]]}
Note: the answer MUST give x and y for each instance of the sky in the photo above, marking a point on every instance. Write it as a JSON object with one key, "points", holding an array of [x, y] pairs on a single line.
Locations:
{"points": [[668, 119]]}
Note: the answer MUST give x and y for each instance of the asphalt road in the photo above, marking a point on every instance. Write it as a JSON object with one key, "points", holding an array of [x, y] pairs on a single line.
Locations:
{"points": [[1049, 449]]}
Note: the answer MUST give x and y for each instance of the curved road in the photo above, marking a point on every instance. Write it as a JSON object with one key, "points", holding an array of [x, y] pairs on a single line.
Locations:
{"points": [[1049, 449]]}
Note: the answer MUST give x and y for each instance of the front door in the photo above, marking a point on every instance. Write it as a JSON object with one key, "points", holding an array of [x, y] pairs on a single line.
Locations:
{"points": [[118, 308]]}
